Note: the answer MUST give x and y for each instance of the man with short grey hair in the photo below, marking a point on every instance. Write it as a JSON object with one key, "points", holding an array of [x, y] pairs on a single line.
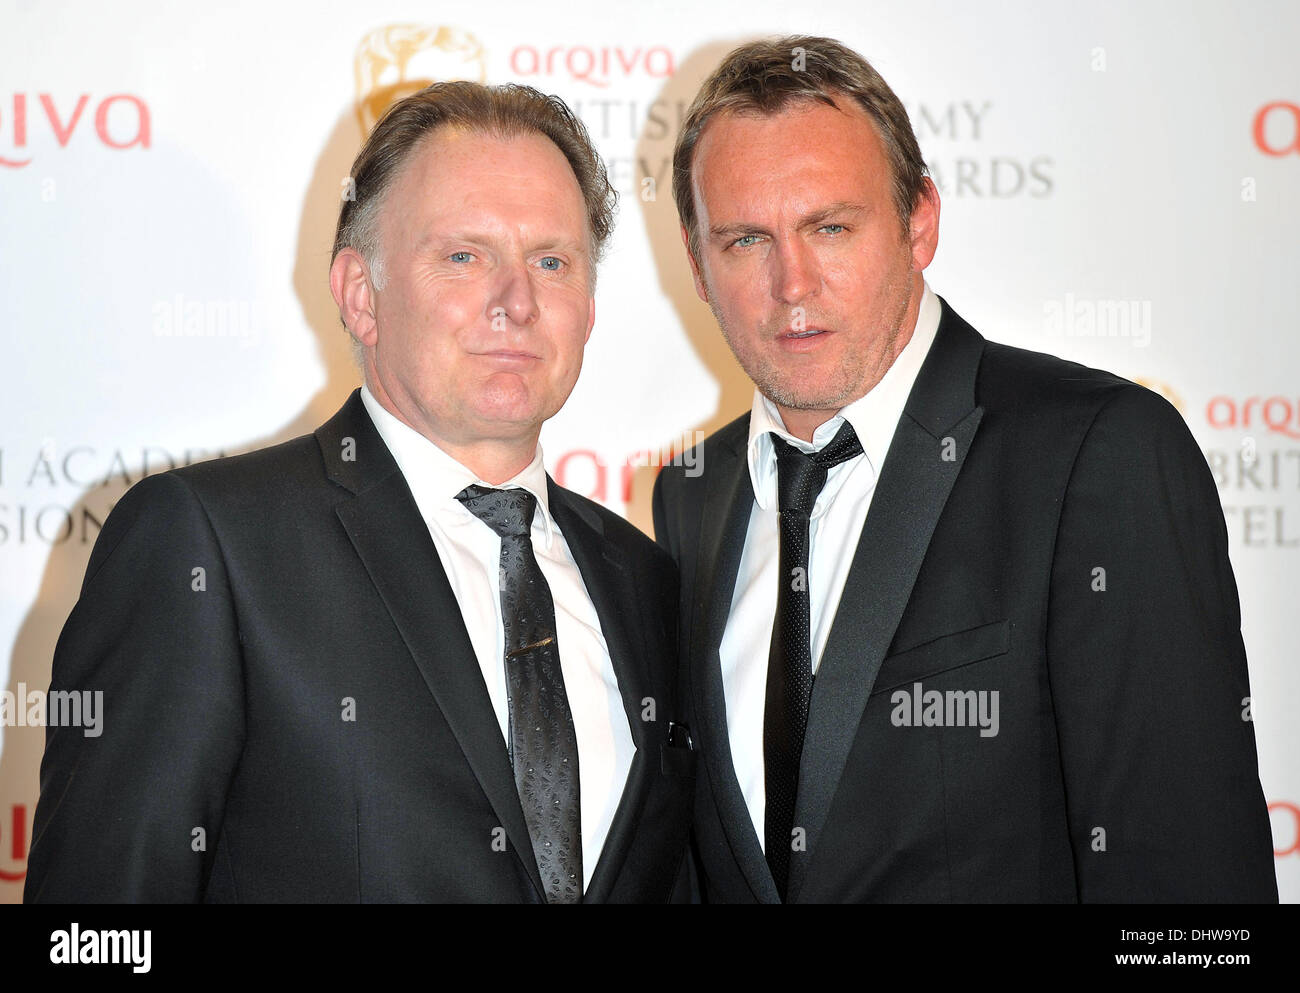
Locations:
{"points": [[392, 661]]}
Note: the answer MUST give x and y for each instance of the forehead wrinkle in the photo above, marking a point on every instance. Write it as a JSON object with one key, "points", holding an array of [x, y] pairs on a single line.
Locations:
{"points": [[479, 218], [493, 234], [798, 164]]}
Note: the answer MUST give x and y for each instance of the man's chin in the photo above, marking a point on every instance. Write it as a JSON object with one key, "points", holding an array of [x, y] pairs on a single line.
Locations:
{"points": [[800, 396], [511, 412], [508, 420]]}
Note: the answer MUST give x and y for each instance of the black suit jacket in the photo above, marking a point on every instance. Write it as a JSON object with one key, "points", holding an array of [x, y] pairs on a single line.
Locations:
{"points": [[1122, 769], [225, 706]]}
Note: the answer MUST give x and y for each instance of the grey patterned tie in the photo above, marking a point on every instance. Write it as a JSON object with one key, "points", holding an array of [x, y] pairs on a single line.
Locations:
{"points": [[543, 744]]}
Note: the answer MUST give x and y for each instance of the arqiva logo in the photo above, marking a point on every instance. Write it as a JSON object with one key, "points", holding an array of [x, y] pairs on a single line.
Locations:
{"points": [[1277, 128], [595, 66], [16, 849], [1281, 415], [121, 122], [1292, 813]]}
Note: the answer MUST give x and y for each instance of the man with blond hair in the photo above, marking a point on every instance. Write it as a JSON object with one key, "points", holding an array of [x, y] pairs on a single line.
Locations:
{"points": [[958, 619]]}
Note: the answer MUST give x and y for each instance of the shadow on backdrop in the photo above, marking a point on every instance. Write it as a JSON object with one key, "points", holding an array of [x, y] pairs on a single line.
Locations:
{"points": [[663, 229], [33, 647]]}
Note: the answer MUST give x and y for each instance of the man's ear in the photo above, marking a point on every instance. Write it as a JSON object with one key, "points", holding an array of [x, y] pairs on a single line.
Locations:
{"points": [[924, 234], [700, 289], [354, 295], [591, 319]]}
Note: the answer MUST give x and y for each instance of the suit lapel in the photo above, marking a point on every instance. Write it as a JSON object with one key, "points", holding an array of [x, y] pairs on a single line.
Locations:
{"points": [[914, 484], [728, 501], [392, 540], [613, 593]]}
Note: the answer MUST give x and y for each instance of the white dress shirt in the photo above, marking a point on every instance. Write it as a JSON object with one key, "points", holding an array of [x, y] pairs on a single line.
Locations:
{"points": [[470, 554], [835, 525]]}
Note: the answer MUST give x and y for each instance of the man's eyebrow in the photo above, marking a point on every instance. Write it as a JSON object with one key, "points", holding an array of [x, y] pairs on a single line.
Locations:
{"points": [[832, 210], [734, 230], [817, 217], [559, 244], [483, 237]]}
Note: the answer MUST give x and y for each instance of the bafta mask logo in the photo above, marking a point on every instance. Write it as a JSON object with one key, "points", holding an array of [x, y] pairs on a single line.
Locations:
{"points": [[1164, 389], [395, 61]]}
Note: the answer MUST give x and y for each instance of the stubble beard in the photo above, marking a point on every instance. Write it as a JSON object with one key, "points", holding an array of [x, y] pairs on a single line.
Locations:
{"points": [[857, 377]]}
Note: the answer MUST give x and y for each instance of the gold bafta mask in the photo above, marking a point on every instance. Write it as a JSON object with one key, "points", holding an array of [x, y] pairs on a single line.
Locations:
{"points": [[1164, 389], [395, 61]]}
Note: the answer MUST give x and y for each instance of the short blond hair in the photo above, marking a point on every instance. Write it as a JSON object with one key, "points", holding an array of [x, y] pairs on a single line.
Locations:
{"points": [[765, 77]]}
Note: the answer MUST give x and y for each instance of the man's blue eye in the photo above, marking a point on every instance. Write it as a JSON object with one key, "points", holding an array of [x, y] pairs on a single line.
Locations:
{"points": [[460, 256], [549, 259], [838, 227], [745, 240]]}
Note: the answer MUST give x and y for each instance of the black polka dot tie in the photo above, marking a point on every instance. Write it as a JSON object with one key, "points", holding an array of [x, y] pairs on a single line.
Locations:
{"points": [[800, 479]]}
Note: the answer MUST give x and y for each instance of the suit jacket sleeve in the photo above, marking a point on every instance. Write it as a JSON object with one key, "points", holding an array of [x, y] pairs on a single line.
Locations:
{"points": [[135, 813], [1147, 671], [689, 888]]}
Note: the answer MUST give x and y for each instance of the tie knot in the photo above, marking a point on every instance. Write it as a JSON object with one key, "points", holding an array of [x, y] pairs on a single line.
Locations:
{"points": [[800, 477], [507, 512]]}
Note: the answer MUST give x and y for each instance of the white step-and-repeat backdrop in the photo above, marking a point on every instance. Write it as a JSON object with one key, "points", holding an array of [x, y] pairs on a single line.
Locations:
{"points": [[1121, 186]]}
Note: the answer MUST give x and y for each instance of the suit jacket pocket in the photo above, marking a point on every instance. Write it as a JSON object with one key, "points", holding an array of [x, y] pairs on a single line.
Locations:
{"points": [[950, 651], [676, 760]]}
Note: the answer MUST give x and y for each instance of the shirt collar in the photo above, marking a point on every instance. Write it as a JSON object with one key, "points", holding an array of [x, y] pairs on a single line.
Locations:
{"points": [[873, 416], [435, 477]]}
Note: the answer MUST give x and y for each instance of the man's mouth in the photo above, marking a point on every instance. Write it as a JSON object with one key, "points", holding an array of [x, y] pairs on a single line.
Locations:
{"points": [[802, 340], [506, 352], [510, 358]]}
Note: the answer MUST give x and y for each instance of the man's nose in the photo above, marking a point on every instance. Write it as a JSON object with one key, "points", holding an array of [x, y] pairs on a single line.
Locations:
{"points": [[513, 298], [795, 274]]}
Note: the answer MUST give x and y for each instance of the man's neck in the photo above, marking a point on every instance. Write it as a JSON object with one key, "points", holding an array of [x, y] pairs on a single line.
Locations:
{"points": [[803, 424], [493, 460]]}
